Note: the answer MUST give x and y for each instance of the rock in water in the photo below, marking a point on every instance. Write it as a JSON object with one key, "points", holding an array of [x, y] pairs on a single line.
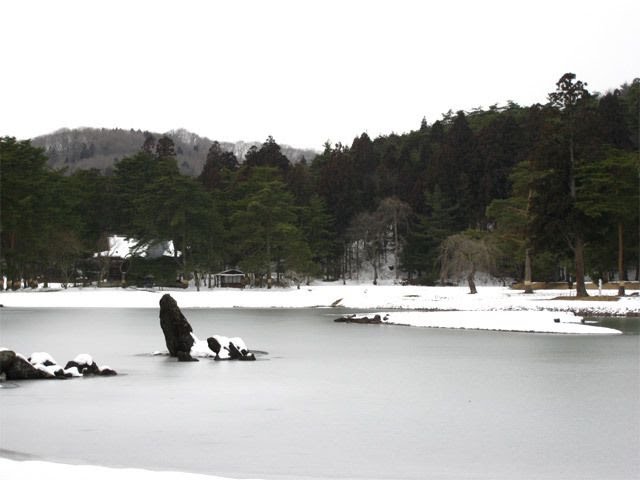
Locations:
{"points": [[21, 369], [7, 357], [229, 348], [353, 319], [85, 365], [185, 357], [176, 329], [41, 365], [239, 351], [214, 345]]}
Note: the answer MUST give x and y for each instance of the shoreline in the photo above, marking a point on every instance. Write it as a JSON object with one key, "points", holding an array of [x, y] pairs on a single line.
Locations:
{"points": [[15, 468], [491, 309], [358, 297]]}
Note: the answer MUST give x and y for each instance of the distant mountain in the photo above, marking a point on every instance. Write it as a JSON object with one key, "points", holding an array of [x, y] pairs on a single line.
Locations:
{"points": [[101, 148]]}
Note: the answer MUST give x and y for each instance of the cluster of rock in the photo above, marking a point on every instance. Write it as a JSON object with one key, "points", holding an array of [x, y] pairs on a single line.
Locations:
{"points": [[183, 345], [355, 319], [229, 348], [41, 365]]}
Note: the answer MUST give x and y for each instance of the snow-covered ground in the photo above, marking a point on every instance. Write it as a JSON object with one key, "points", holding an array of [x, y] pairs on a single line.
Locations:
{"points": [[480, 311], [508, 321], [326, 295], [37, 470]]}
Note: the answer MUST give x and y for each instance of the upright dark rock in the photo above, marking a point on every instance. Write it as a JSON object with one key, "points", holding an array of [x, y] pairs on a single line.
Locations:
{"points": [[214, 345], [176, 329]]}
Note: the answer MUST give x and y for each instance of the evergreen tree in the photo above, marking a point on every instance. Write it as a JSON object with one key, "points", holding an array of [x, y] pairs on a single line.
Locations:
{"points": [[269, 155], [94, 206], [509, 218], [335, 183], [23, 211], [456, 168], [317, 228], [165, 148], [300, 183], [149, 145], [264, 224], [131, 176], [38, 225], [570, 99], [605, 192], [362, 159], [426, 232], [612, 125], [218, 161]]}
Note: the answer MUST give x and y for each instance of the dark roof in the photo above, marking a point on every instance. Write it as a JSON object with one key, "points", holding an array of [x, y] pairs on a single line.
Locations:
{"points": [[232, 271]]}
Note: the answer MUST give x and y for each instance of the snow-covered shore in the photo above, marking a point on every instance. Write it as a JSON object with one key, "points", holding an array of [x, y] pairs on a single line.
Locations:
{"points": [[36, 470], [367, 297], [505, 321], [493, 308]]}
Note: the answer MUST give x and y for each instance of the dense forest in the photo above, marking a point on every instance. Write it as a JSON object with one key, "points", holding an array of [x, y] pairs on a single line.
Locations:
{"points": [[543, 192]]}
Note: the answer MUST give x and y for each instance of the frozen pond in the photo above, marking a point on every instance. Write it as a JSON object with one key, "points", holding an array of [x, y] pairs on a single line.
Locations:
{"points": [[329, 400]]}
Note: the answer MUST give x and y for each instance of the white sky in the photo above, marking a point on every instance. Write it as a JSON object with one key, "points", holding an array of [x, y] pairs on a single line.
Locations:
{"points": [[301, 71]]}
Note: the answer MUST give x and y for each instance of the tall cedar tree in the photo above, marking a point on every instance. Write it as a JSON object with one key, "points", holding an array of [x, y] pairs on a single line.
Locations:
{"points": [[570, 99]]}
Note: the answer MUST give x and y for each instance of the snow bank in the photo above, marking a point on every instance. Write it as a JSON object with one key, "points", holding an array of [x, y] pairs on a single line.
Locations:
{"points": [[200, 348], [83, 359], [41, 357], [523, 321], [32, 470], [74, 372], [238, 343], [351, 296], [50, 369]]}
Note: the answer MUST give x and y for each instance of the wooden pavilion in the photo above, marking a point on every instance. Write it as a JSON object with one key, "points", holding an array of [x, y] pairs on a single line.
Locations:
{"points": [[232, 278]]}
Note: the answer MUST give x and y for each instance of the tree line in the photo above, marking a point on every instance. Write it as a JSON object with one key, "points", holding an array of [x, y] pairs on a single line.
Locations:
{"points": [[537, 192], [86, 148]]}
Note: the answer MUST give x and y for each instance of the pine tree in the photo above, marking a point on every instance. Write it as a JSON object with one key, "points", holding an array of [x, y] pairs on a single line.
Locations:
{"points": [[568, 97], [426, 232], [606, 190], [269, 155], [264, 224], [165, 148]]}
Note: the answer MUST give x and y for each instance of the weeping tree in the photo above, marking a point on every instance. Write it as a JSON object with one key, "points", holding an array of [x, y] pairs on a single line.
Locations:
{"points": [[463, 254]]}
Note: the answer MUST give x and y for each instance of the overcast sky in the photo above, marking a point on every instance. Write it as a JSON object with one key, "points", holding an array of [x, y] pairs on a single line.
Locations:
{"points": [[302, 71]]}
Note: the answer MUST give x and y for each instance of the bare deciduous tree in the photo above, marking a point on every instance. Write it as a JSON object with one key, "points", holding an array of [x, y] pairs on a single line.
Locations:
{"points": [[394, 211], [366, 229]]}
